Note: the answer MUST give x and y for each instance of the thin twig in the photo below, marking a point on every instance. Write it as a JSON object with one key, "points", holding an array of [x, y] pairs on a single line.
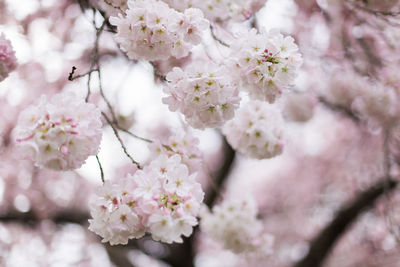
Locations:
{"points": [[114, 118], [101, 168], [216, 38], [133, 135], [115, 130], [71, 73], [71, 76], [343, 110]]}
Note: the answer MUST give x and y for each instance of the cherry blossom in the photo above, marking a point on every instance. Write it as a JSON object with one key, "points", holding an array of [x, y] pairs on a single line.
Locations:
{"points": [[184, 144], [234, 223], [268, 63], [257, 130], [163, 199], [205, 94], [153, 31], [222, 10], [60, 133], [8, 61]]}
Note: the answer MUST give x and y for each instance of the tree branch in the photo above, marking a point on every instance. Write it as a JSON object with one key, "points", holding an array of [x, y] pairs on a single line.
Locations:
{"points": [[31, 218], [340, 109], [324, 241], [221, 175], [118, 255]]}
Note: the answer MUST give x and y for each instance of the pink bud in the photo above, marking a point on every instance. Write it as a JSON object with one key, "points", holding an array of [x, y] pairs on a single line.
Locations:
{"points": [[64, 150]]}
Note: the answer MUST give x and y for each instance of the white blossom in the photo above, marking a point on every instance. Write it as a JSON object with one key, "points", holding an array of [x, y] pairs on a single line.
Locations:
{"points": [[162, 199], [268, 63], [151, 30], [60, 133], [234, 223], [183, 144], [204, 93], [114, 218], [221, 10], [256, 131]]}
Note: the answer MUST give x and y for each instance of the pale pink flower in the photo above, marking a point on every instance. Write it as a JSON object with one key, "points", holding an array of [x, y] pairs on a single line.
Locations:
{"points": [[161, 199], [60, 133], [183, 144], [267, 62], [204, 93], [256, 131], [221, 10], [234, 223], [151, 30]]}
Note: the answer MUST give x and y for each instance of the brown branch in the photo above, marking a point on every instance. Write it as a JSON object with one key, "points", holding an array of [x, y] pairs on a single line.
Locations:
{"points": [[373, 11], [118, 255], [340, 109], [31, 218], [71, 76], [325, 240], [115, 130], [221, 175]]}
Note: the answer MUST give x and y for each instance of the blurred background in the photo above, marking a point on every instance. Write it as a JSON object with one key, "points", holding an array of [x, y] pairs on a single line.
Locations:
{"points": [[342, 120]]}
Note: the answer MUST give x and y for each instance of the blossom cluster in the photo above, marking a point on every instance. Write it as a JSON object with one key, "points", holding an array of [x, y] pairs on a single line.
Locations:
{"points": [[268, 63], [204, 93], [8, 61], [222, 10], [151, 30], [183, 144], [59, 133], [234, 223], [257, 130], [162, 199]]}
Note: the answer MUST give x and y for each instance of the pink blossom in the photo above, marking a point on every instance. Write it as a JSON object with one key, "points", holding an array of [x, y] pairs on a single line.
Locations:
{"points": [[60, 133], [8, 61]]}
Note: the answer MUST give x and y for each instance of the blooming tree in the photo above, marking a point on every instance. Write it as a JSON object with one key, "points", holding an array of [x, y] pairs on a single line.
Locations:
{"points": [[199, 133]]}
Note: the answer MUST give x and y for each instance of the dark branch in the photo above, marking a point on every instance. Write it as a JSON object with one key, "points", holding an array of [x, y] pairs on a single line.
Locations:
{"points": [[221, 175], [340, 109], [31, 218], [324, 241], [118, 255], [115, 130], [71, 74]]}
